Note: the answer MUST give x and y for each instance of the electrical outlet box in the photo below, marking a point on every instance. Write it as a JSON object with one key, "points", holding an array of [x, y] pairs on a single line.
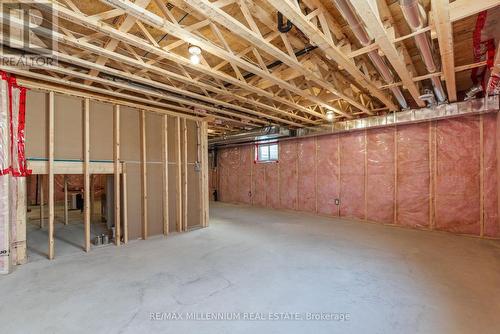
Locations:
{"points": [[337, 201]]}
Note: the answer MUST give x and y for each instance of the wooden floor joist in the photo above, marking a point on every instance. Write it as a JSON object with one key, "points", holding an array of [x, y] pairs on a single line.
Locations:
{"points": [[50, 140], [86, 173]]}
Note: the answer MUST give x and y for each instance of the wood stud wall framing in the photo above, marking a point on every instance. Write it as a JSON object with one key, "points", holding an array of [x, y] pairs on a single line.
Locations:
{"points": [[119, 171]]}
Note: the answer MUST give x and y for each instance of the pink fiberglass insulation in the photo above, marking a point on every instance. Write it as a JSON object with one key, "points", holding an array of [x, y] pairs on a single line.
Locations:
{"points": [[223, 175], [245, 175], [272, 185], [413, 175], [328, 186], [307, 178], [457, 177], [380, 175], [491, 221], [288, 174], [259, 184], [352, 175], [233, 174]]}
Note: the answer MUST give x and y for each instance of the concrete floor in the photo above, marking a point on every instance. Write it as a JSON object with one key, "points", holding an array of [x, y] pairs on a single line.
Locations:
{"points": [[389, 280], [68, 239]]}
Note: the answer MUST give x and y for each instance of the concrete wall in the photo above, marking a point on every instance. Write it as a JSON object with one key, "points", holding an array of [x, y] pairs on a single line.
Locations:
{"points": [[435, 175], [69, 145]]}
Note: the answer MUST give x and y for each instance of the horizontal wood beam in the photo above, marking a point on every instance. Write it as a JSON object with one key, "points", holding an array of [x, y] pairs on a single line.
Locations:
{"points": [[317, 37], [461, 9]]}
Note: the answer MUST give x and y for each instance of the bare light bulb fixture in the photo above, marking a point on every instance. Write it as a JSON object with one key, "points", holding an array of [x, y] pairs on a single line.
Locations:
{"points": [[195, 54], [330, 116]]}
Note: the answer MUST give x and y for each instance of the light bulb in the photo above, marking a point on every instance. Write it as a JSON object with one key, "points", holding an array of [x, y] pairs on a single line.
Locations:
{"points": [[195, 59], [194, 50], [330, 116]]}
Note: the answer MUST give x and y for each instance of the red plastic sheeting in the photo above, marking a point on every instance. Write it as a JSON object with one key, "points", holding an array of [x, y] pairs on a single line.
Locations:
{"points": [[491, 222], [457, 178], [352, 175], [328, 185], [244, 186], [380, 175], [307, 178], [413, 175], [272, 185], [288, 174], [259, 185]]}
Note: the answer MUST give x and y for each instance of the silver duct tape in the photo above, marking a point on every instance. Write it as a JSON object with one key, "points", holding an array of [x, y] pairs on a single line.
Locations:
{"points": [[477, 106], [471, 107]]}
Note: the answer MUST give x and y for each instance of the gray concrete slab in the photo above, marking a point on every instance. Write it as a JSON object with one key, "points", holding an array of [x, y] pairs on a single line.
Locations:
{"points": [[256, 261]]}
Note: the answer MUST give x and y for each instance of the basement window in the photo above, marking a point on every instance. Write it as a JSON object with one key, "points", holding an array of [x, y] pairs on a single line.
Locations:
{"points": [[267, 152]]}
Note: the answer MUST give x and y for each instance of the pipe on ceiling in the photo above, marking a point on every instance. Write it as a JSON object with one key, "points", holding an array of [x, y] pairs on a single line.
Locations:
{"points": [[417, 19], [362, 35]]}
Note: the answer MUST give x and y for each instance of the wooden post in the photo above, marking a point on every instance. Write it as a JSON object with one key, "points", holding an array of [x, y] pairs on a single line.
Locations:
{"points": [[366, 174], [144, 176], [40, 188], [395, 218], [338, 178], [51, 174], [116, 161], [164, 133], [65, 200], [20, 247], [179, 177], [434, 171], [185, 176], [124, 197], [315, 175], [204, 174], [92, 200], [86, 173], [481, 175]]}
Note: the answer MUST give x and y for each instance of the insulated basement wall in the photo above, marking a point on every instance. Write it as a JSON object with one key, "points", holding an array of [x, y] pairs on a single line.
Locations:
{"points": [[438, 175], [69, 145]]}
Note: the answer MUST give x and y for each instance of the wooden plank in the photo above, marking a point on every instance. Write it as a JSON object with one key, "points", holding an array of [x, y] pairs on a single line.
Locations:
{"points": [[185, 175], [41, 190], [65, 200], [86, 173], [179, 215], [164, 133], [144, 190], [481, 174], [444, 31], [204, 173], [233, 25], [460, 9], [295, 15], [116, 158], [434, 147], [184, 61], [431, 175], [21, 215], [395, 217], [369, 15], [50, 139], [125, 207], [71, 167]]}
